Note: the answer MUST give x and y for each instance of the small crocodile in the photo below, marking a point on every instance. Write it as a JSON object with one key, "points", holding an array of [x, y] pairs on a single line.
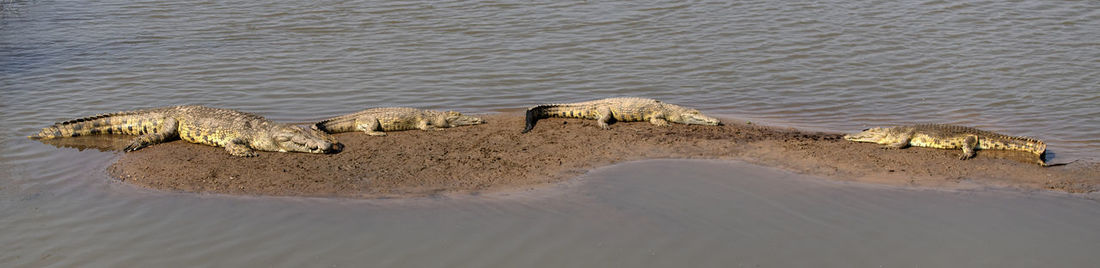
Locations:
{"points": [[375, 121], [240, 133], [620, 109], [949, 137]]}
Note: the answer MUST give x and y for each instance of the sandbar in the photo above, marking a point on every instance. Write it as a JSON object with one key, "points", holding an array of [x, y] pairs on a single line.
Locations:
{"points": [[497, 157]]}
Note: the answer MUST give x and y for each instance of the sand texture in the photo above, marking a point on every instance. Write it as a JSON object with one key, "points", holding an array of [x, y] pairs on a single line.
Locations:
{"points": [[495, 156]]}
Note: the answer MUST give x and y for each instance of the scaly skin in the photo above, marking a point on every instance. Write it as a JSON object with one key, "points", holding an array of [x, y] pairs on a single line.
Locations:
{"points": [[240, 133], [620, 109], [377, 121], [949, 137]]}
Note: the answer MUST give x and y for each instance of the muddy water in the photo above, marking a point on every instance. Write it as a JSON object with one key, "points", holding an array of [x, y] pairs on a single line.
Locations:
{"points": [[1023, 68], [657, 213]]}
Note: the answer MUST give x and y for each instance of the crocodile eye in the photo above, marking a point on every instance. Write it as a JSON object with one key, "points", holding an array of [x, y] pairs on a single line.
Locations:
{"points": [[866, 129], [282, 139]]}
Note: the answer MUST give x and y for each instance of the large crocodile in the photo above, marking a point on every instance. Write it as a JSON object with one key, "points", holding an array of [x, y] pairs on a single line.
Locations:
{"points": [[620, 109], [949, 137], [240, 133], [375, 121]]}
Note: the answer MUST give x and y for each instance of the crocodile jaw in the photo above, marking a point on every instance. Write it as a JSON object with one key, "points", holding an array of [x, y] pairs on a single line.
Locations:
{"points": [[874, 135], [463, 120], [298, 139], [698, 119]]}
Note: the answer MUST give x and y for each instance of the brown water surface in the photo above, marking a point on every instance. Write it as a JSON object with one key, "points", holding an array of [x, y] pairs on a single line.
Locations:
{"points": [[656, 213], [1022, 68]]}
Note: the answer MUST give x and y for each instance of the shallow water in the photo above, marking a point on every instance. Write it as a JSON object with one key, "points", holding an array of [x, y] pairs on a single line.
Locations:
{"points": [[1023, 68], [656, 213]]}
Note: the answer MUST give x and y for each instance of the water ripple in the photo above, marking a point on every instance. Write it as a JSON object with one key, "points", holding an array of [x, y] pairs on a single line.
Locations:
{"points": [[1025, 68]]}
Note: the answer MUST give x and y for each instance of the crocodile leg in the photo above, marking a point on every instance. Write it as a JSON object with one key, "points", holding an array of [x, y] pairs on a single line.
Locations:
{"points": [[371, 125], [658, 120], [425, 125], [903, 141], [605, 117], [238, 147], [968, 145], [158, 136], [438, 122]]}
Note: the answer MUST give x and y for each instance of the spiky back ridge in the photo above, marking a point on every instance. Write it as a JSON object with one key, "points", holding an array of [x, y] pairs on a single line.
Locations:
{"points": [[328, 125], [949, 131], [136, 122], [547, 110], [584, 109], [346, 123], [217, 127], [107, 123], [198, 111], [106, 115]]}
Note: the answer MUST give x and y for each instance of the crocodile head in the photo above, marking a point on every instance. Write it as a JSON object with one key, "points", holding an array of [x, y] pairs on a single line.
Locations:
{"points": [[692, 117], [289, 138], [458, 119], [881, 135]]}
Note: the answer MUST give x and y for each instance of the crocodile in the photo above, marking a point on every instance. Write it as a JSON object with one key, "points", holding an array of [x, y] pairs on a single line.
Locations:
{"points": [[376, 121], [240, 133], [620, 109], [949, 137]]}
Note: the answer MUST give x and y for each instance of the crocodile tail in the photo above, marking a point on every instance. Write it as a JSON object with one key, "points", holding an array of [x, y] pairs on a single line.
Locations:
{"points": [[536, 113], [112, 123], [1039, 148], [1027, 144], [337, 124], [323, 126]]}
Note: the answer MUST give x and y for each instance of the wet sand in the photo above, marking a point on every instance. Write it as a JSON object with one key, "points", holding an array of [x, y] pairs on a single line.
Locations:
{"points": [[495, 156]]}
